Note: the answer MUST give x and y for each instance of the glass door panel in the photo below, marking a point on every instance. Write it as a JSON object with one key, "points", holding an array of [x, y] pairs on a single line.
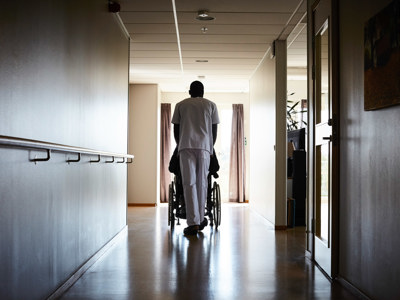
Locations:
{"points": [[322, 194], [323, 64], [322, 149]]}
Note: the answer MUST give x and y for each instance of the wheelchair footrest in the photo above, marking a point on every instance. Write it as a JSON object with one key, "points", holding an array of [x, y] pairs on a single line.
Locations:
{"points": [[181, 214]]}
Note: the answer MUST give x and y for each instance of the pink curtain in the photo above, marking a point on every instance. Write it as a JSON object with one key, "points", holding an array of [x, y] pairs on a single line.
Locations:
{"points": [[165, 155], [237, 170]]}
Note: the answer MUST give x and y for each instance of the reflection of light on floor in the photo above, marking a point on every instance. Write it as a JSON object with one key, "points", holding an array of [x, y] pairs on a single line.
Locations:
{"points": [[324, 218], [246, 258], [223, 257]]}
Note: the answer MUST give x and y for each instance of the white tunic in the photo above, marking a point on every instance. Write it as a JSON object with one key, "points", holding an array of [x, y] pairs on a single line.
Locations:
{"points": [[195, 117]]}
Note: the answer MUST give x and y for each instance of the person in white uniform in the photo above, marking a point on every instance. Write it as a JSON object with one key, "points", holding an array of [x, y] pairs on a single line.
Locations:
{"points": [[195, 122]]}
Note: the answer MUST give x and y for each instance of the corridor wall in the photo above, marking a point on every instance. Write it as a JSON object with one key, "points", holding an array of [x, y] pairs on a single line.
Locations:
{"points": [[63, 79], [144, 139], [268, 137], [369, 168], [262, 153]]}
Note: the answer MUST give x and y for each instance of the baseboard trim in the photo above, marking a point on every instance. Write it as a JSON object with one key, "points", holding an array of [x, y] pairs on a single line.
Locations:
{"points": [[308, 255], [280, 227], [142, 204], [74, 277], [355, 291]]}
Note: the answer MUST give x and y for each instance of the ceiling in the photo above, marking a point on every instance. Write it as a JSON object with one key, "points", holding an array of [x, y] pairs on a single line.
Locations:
{"points": [[225, 56]]}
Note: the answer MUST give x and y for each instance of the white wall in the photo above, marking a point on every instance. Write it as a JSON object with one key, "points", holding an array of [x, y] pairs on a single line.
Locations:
{"points": [[143, 174], [262, 137], [268, 138], [299, 87]]}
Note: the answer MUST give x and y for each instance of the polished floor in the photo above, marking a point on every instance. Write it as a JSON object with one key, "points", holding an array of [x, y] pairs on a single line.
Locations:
{"points": [[245, 259]]}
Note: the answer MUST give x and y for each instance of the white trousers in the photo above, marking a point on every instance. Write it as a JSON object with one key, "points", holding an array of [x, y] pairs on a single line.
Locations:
{"points": [[194, 170]]}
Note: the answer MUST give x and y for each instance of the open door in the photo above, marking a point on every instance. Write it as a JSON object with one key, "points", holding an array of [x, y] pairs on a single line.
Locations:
{"points": [[325, 146], [323, 151]]}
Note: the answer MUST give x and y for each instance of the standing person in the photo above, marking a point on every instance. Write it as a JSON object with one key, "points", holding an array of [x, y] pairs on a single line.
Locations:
{"points": [[195, 122]]}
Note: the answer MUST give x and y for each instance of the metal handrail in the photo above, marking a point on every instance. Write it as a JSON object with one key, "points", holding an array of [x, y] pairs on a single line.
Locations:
{"points": [[8, 141]]}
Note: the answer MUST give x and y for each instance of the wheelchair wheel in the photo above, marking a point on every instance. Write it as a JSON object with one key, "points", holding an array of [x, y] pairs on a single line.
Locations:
{"points": [[171, 217], [216, 205]]}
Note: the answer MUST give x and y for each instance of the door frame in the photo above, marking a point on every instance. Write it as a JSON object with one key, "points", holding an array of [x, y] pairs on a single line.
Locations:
{"points": [[332, 6]]}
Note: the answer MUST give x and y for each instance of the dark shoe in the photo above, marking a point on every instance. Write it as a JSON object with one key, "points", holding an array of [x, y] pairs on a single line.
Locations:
{"points": [[203, 224], [191, 230]]}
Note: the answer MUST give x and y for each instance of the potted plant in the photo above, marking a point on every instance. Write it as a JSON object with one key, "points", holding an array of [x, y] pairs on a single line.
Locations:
{"points": [[291, 120]]}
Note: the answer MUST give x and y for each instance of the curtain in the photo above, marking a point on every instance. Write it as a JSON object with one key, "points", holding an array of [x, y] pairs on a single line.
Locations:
{"points": [[165, 155], [237, 161]]}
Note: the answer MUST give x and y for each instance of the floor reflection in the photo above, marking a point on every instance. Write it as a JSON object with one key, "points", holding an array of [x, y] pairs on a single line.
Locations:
{"points": [[244, 259]]}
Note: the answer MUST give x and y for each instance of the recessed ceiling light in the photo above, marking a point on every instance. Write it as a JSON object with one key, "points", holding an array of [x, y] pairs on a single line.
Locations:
{"points": [[201, 60], [203, 15]]}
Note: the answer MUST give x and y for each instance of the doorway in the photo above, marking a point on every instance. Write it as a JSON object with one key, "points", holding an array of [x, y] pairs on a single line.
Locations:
{"points": [[223, 148]]}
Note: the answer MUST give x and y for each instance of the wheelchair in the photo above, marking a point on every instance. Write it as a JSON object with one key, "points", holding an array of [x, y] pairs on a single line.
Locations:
{"points": [[176, 201]]}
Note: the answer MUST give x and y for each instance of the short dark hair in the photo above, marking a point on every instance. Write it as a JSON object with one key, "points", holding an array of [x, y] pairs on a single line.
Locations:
{"points": [[196, 89]]}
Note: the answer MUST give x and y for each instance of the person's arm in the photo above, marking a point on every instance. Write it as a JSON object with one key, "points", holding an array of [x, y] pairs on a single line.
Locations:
{"points": [[176, 133], [214, 132]]}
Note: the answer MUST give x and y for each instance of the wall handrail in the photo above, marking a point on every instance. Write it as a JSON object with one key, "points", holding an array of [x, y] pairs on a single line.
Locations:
{"points": [[15, 142]]}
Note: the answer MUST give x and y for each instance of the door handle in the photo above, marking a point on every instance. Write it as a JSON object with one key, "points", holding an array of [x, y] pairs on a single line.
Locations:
{"points": [[327, 138]]}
